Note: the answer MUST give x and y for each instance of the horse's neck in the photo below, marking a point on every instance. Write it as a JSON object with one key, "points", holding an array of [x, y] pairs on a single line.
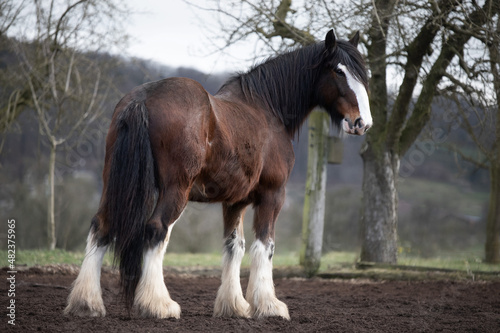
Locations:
{"points": [[284, 97]]}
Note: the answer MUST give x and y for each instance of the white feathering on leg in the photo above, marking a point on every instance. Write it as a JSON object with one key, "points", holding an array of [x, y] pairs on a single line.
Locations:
{"points": [[230, 301], [260, 291], [152, 298], [85, 298]]}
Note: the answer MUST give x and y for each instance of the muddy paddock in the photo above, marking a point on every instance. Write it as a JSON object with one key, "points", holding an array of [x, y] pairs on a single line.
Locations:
{"points": [[316, 305]]}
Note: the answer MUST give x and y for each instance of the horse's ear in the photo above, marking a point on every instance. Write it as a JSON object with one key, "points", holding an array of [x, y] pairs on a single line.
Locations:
{"points": [[330, 41], [355, 39]]}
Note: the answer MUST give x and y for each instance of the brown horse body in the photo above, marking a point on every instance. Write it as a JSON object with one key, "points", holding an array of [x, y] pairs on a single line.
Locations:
{"points": [[171, 142]]}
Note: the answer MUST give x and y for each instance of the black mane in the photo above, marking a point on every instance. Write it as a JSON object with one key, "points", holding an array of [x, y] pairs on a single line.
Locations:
{"points": [[285, 84]]}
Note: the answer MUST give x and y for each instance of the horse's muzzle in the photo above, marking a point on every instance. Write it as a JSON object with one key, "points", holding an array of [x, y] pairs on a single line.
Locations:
{"points": [[357, 128]]}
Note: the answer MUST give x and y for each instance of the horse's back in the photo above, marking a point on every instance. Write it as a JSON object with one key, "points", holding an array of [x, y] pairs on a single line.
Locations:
{"points": [[176, 105]]}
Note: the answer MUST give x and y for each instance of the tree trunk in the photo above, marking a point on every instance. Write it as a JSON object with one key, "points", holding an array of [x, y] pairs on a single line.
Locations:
{"points": [[492, 246], [379, 218], [314, 201], [51, 223]]}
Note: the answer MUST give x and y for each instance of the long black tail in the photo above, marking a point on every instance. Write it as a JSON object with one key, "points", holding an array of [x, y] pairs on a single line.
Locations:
{"points": [[130, 194]]}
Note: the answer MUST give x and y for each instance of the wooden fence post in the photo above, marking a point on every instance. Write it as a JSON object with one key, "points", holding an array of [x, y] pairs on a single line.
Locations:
{"points": [[314, 201]]}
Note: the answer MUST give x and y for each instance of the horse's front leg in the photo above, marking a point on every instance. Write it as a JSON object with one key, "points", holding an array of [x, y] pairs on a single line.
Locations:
{"points": [[230, 301], [260, 290]]}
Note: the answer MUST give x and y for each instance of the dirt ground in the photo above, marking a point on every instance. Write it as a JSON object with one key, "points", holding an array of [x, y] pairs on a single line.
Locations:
{"points": [[316, 305]]}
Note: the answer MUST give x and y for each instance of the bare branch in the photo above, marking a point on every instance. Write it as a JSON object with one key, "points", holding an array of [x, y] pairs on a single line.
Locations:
{"points": [[70, 70], [421, 113], [416, 50], [476, 161], [9, 14]]}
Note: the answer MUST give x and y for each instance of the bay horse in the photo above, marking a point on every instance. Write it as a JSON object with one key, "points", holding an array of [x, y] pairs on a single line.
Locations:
{"points": [[170, 142]]}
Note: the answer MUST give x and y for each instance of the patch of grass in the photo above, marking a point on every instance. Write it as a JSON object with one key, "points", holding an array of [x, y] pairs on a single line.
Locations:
{"points": [[338, 260], [469, 261], [192, 259], [46, 257]]}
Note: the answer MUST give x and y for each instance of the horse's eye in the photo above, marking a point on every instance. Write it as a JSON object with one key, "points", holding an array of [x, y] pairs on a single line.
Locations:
{"points": [[339, 72]]}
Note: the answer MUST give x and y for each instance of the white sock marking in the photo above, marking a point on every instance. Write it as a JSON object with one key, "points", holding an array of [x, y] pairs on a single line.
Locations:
{"points": [[86, 290], [152, 297], [260, 291], [230, 301]]}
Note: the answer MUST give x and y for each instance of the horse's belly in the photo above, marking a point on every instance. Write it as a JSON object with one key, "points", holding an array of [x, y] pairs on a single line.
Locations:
{"points": [[229, 188]]}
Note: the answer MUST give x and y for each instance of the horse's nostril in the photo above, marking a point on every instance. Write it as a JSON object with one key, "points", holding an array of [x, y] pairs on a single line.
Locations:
{"points": [[358, 127], [359, 123], [349, 122]]}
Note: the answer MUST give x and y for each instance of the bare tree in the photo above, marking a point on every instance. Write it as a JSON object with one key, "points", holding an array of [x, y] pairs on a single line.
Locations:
{"points": [[58, 61], [492, 246], [476, 98], [409, 46], [11, 98]]}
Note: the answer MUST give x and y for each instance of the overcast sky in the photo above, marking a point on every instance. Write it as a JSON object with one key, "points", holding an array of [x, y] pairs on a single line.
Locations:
{"points": [[170, 32]]}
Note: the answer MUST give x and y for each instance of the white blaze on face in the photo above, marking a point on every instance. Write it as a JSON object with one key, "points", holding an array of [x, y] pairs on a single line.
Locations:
{"points": [[361, 95]]}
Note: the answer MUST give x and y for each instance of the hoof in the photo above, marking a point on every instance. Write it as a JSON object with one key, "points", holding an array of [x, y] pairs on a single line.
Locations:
{"points": [[160, 309], [85, 309], [273, 308], [237, 307]]}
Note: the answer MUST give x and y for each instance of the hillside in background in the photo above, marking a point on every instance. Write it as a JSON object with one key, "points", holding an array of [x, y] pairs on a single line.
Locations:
{"points": [[441, 207]]}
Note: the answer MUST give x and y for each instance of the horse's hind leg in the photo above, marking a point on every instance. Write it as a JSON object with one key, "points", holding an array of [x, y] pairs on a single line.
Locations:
{"points": [[230, 301], [260, 291], [85, 298], [152, 298]]}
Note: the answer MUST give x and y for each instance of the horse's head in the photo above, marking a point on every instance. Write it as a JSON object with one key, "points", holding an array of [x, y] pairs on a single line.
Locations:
{"points": [[343, 85]]}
